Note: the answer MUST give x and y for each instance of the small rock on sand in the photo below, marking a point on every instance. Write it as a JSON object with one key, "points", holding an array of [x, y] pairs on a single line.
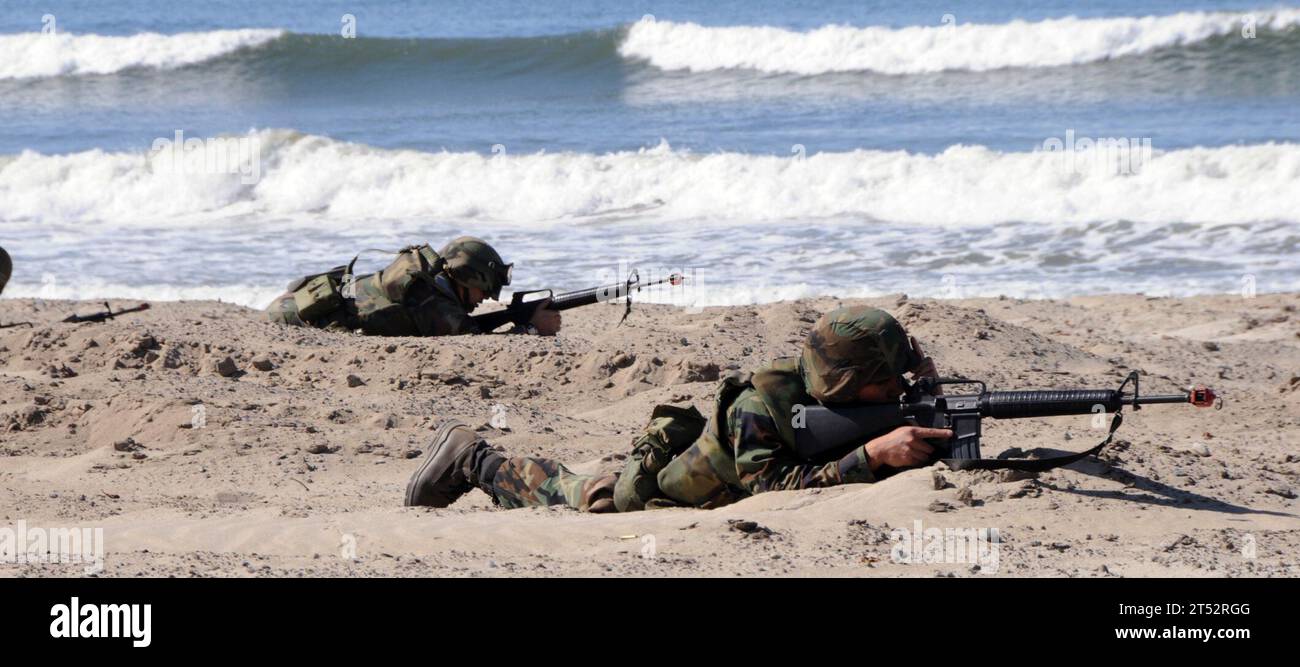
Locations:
{"points": [[1280, 489], [225, 367], [1006, 476], [940, 506], [127, 445]]}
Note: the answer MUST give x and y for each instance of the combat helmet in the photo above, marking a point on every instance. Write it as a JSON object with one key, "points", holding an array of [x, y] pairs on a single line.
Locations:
{"points": [[471, 261], [851, 347]]}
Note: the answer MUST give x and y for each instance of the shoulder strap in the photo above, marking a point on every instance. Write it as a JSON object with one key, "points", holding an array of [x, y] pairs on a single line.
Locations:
{"points": [[349, 275], [431, 263], [1036, 465]]}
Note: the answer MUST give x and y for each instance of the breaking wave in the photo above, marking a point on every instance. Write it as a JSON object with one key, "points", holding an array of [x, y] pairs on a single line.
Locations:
{"points": [[923, 49], [667, 45], [37, 55], [296, 173]]}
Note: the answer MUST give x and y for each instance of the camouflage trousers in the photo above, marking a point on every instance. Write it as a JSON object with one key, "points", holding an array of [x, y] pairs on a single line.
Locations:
{"points": [[284, 311], [525, 481]]}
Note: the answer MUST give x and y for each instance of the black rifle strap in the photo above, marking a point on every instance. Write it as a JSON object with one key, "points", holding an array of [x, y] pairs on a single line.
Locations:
{"points": [[632, 278], [1036, 465], [348, 274]]}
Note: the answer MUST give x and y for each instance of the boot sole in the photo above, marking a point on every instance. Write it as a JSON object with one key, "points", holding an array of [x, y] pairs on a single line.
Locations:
{"points": [[439, 440]]}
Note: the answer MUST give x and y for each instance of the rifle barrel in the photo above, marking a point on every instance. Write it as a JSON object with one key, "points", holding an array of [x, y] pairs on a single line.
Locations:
{"points": [[1159, 398], [586, 297], [1055, 402]]}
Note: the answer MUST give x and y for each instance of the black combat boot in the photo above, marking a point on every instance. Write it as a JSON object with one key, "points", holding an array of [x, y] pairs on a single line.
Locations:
{"points": [[458, 460]]}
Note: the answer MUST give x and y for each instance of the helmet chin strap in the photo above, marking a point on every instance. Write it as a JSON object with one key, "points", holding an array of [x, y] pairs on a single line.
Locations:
{"points": [[462, 292]]}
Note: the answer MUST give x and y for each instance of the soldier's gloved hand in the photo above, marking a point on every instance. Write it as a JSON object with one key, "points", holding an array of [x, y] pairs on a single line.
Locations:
{"points": [[545, 320], [904, 446]]}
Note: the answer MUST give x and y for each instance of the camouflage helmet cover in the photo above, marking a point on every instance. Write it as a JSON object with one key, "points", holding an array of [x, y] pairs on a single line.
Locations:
{"points": [[851, 347], [471, 261]]}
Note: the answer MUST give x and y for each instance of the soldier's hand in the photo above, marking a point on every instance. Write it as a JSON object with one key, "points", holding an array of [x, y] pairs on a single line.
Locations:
{"points": [[545, 320], [904, 446], [926, 368]]}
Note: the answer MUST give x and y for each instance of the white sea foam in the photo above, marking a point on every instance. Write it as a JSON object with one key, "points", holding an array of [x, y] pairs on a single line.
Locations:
{"points": [[744, 292], [258, 296], [919, 49], [83, 289], [34, 55], [343, 182]]}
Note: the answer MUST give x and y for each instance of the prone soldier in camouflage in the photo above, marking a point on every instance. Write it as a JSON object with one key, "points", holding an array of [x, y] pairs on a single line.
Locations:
{"points": [[853, 355], [421, 293]]}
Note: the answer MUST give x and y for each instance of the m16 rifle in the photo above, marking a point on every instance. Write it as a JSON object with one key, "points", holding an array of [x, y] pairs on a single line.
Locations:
{"points": [[828, 428]]}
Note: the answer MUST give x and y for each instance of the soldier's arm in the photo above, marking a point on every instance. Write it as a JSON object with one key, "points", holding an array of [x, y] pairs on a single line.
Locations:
{"points": [[437, 316], [764, 462]]}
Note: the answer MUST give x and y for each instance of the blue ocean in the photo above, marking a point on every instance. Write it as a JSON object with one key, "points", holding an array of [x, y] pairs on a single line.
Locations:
{"points": [[215, 150]]}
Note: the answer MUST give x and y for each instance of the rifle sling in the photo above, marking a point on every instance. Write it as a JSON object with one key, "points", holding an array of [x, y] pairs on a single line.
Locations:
{"points": [[1035, 465]]}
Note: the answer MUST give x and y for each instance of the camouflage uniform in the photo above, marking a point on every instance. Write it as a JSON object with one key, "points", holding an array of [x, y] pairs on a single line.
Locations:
{"points": [[747, 445], [415, 295], [426, 312], [532, 482]]}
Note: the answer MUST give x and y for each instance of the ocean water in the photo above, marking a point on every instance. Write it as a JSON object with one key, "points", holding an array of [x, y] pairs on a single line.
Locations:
{"points": [[767, 151]]}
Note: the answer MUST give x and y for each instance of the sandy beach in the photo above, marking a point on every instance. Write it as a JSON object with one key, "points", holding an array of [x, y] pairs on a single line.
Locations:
{"points": [[207, 442]]}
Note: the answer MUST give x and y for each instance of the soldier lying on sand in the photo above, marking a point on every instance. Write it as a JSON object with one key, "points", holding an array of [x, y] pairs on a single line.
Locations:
{"points": [[421, 293], [747, 446]]}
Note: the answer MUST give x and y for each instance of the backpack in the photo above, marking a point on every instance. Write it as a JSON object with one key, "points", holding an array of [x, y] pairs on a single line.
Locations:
{"points": [[338, 295]]}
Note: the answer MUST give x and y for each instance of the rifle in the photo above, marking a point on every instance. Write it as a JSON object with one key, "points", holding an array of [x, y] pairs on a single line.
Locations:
{"points": [[520, 312], [106, 314], [15, 324], [827, 428]]}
